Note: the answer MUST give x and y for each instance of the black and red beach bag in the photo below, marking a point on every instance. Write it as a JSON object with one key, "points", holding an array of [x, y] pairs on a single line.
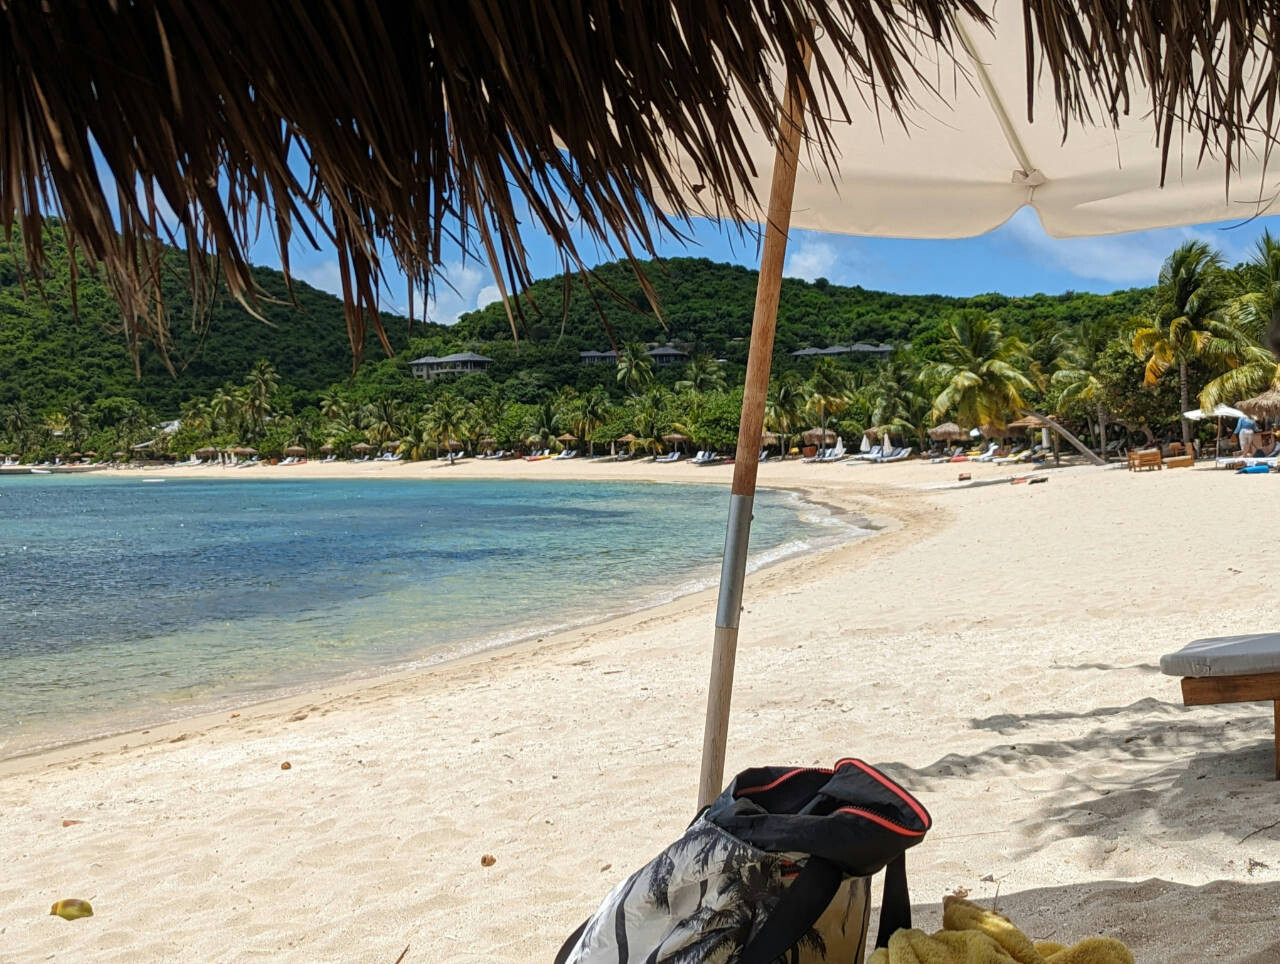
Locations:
{"points": [[778, 868]]}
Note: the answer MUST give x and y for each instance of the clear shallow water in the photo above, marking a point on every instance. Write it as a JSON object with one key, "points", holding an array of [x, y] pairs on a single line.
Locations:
{"points": [[124, 603]]}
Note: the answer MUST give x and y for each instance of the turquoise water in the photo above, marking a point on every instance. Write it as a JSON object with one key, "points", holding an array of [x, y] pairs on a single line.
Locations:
{"points": [[124, 603]]}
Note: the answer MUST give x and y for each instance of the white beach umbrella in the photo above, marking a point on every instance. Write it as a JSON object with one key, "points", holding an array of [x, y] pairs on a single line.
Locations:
{"points": [[865, 444], [1219, 411], [967, 158]]}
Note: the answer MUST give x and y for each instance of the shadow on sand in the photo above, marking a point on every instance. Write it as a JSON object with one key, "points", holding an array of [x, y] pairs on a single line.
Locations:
{"points": [[1149, 761]]}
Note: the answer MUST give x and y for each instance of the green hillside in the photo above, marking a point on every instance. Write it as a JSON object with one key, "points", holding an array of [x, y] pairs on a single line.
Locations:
{"points": [[67, 384], [49, 357]]}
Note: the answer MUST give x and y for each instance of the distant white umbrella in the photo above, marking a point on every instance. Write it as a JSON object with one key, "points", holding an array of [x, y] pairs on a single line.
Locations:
{"points": [[865, 446], [1219, 411]]}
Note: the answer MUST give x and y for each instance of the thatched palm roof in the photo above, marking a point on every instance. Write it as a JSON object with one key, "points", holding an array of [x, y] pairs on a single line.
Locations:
{"points": [[947, 431], [398, 129], [1266, 405], [818, 436]]}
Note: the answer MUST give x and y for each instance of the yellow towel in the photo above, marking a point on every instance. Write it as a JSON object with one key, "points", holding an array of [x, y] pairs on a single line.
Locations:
{"points": [[974, 935]]}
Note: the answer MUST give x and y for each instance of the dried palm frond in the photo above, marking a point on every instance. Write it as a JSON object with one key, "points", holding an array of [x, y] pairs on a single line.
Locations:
{"points": [[407, 127]]}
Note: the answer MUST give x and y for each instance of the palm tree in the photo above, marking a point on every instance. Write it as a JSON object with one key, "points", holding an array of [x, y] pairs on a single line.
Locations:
{"points": [[591, 411], [784, 406], [702, 374], [545, 422], [892, 403], [195, 415], [444, 421], [648, 412], [828, 391], [1075, 381], [331, 403], [635, 368], [1258, 288], [1184, 325], [979, 376], [1250, 311], [222, 407], [17, 425], [77, 423], [383, 421], [261, 383]]}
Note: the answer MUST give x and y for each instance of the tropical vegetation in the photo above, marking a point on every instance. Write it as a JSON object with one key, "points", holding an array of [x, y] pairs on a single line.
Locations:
{"points": [[1113, 368]]}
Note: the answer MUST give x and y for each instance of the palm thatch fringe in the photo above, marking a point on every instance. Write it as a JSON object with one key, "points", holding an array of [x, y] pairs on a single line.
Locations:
{"points": [[395, 130]]}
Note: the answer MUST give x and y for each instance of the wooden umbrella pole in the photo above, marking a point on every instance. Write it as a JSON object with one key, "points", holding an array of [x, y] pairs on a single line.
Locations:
{"points": [[742, 497]]}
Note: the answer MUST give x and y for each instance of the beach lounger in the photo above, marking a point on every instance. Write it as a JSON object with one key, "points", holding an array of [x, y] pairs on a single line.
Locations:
{"points": [[835, 454], [1143, 459], [1230, 669]]}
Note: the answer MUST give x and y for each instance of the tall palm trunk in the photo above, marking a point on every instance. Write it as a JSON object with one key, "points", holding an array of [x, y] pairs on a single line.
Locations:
{"points": [[1102, 432], [1186, 402]]}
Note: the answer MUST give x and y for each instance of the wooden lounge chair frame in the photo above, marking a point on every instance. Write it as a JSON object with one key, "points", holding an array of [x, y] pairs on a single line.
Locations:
{"points": [[1206, 690], [1145, 459]]}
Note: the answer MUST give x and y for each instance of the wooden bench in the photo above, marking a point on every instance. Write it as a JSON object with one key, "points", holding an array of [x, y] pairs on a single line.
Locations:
{"points": [[1230, 669], [1145, 459], [1180, 462], [1205, 690]]}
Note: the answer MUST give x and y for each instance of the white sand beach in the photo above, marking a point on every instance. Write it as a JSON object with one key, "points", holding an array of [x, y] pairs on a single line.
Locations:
{"points": [[994, 649]]}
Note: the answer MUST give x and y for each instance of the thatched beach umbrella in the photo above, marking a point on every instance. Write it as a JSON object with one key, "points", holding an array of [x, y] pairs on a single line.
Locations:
{"points": [[912, 111], [566, 437], [819, 436], [1266, 405], [295, 450], [947, 432], [1027, 423], [326, 449], [205, 452], [362, 447], [628, 438], [675, 438]]}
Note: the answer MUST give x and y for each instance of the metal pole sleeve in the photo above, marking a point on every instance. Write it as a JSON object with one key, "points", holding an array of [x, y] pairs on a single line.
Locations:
{"points": [[738, 534]]}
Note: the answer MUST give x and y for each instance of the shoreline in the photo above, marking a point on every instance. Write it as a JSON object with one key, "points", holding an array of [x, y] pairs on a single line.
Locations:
{"points": [[994, 650], [287, 703]]}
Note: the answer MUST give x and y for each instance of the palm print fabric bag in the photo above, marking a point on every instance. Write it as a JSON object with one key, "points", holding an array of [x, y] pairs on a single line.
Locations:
{"points": [[778, 868]]}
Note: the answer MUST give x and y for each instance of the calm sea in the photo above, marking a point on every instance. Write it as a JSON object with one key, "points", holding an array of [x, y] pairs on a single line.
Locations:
{"points": [[125, 602]]}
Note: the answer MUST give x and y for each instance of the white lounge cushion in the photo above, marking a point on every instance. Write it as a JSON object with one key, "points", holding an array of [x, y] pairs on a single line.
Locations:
{"points": [[1225, 656]]}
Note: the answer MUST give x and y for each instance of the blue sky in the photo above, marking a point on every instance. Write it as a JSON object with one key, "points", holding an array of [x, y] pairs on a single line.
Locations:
{"points": [[1017, 258]]}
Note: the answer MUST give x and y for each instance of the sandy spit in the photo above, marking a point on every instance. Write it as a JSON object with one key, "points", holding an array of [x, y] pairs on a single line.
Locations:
{"points": [[994, 649]]}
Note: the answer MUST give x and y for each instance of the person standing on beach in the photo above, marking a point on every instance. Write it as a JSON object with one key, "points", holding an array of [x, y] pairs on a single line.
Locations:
{"points": [[1244, 431]]}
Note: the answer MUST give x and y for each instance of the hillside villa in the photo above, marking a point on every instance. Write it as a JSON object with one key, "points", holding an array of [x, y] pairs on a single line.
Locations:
{"points": [[429, 367]]}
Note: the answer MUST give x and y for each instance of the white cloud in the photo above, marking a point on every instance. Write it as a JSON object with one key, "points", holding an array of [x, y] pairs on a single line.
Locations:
{"points": [[810, 260], [458, 287], [1122, 259], [323, 275], [488, 295], [840, 259]]}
